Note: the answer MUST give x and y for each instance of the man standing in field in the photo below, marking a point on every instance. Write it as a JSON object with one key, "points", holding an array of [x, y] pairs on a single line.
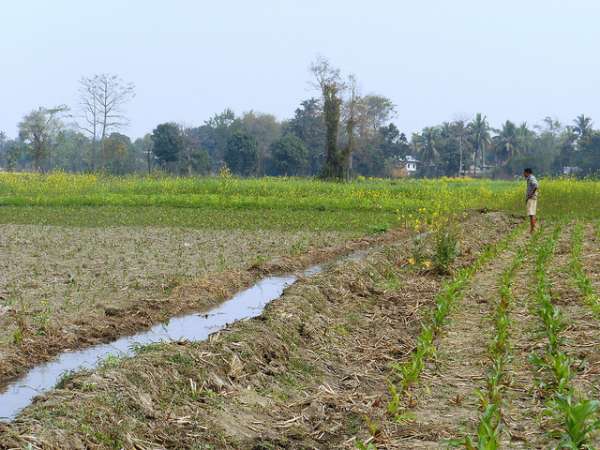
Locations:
{"points": [[531, 197]]}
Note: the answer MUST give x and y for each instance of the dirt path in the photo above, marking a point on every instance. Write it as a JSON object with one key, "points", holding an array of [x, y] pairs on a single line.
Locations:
{"points": [[447, 405]]}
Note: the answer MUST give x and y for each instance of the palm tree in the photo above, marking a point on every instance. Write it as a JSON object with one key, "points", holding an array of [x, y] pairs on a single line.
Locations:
{"points": [[553, 126], [480, 131], [568, 141], [429, 151], [425, 145], [583, 127], [524, 137], [460, 131], [508, 140]]}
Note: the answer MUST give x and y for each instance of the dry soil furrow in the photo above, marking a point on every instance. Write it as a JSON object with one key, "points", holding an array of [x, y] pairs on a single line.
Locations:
{"points": [[447, 405], [523, 408], [580, 338], [590, 257], [582, 335]]}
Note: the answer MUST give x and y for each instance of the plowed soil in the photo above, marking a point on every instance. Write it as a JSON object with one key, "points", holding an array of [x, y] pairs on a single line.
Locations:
{"points": [[311, 372]]}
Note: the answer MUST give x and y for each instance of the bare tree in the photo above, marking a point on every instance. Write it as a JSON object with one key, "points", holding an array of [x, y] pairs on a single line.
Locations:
{"points": [[102, 99], [90, 112]]}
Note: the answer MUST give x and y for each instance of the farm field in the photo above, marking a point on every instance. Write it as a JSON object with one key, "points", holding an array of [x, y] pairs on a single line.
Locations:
{"points": [[84, 285], [453, 328]]}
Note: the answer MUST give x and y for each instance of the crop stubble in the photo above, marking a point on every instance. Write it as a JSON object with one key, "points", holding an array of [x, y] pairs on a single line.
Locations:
{"points": [[306, 373]]}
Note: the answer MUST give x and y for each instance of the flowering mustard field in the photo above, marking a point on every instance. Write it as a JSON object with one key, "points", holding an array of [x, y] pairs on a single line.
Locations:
{"points": [[288, 203]]}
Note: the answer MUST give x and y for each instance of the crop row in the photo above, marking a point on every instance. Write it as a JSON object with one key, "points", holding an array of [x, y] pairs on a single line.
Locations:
{"points": [[408, 372], [490, 422], [575, 414], [578, 274]]}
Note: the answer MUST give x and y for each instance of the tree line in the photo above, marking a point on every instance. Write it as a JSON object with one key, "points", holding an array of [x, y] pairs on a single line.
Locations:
{"points": [[473, 147], [339, 133]]}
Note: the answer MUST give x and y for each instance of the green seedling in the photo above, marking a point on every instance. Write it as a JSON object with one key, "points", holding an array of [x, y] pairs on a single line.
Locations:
{"points": [[578, 274], [360, 445], [579, 417], [488, 432], [410, 371], [395, 403]]}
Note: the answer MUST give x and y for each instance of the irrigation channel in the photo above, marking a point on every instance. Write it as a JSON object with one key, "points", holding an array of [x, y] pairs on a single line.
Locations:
{"points": [[192, 327]]}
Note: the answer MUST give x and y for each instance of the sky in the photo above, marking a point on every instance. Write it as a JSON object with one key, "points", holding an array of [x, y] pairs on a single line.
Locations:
{"points": [[437, 60]]}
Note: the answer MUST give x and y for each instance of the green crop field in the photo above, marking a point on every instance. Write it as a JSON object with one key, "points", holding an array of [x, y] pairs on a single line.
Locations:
{"points": [[270, 203]]}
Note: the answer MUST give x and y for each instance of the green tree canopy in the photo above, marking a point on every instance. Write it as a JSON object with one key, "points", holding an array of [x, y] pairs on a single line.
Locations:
{"points": [[117, 154], [308, 125], [583, 127], [167, 144], [38, 130], [289, 156], [265, 129], [241, 154], [480, 137]]}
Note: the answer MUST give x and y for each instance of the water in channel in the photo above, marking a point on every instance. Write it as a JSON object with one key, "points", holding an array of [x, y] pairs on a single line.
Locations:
{"points": [[190, 327]]}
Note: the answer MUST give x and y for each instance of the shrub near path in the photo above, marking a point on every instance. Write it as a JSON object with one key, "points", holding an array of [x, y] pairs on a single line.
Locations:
{"points": [[304, 374]]}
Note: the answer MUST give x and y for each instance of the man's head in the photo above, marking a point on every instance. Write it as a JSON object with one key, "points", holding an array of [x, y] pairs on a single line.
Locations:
{"points": [[527, 172]]}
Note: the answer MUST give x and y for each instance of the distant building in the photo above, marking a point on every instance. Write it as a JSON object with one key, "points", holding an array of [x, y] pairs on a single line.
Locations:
{"points": [[405, 167], [571, 170], [410, 164], [476, 170]]}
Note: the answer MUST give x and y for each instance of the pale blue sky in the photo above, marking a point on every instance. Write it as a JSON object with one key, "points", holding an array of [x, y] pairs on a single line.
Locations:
{"points": [[436, 59]]}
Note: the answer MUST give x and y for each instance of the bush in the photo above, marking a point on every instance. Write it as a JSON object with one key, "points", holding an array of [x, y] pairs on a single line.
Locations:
{"points": [[446, 248]]}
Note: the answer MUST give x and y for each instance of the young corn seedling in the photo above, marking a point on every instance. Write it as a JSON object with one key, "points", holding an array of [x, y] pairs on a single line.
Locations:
{"points": [[409, 372], [489, 429], [559, 365], [578, 274], [395, 404], [488, 432], [579, 417], [360, 445]]}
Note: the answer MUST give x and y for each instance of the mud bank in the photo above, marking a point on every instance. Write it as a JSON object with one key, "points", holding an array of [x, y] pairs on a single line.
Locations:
{"points": [[84, 330]]}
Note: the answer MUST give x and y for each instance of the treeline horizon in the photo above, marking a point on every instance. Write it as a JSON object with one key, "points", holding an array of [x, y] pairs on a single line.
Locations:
{"points": [[354, 130]]}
